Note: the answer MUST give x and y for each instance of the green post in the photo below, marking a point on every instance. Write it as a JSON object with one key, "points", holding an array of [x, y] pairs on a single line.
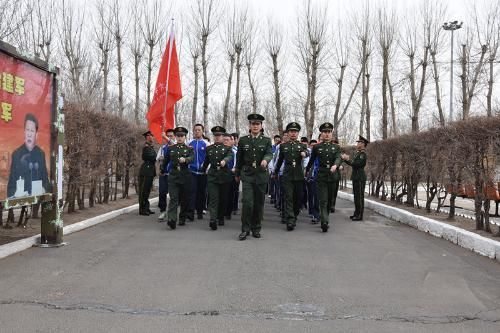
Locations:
{"points": [[51, 220]]}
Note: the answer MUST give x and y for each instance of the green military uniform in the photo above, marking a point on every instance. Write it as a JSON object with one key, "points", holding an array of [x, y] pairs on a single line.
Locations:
{"points": [[179, 180], [337, 176], [251, 152], [358, 177], [147, 173], [219, 178], [293, 176], [328, 154]]}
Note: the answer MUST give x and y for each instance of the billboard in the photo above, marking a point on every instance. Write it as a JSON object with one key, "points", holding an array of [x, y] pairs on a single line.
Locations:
{"points": [[26, 109]]}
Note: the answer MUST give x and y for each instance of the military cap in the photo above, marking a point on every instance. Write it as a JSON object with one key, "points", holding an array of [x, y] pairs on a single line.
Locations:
{"points": [[362, 139], [326, 127], [293, 126], [255, 117], [218, 130], [180, 130], [145, 134]]}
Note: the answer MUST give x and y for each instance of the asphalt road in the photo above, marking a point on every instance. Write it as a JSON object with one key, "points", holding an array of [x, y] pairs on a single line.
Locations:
{"points": [[133, 275]]}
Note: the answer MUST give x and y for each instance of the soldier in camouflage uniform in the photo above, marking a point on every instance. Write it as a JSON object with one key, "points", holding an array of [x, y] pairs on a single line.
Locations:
{"points": [[253, 156], [292, 153], [328, 155], [147, 173], [358, 177], [179, 179], [219, 177]]}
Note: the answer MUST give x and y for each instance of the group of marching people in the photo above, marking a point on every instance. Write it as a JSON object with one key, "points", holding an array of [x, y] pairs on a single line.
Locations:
{"points": [[296, 174]]}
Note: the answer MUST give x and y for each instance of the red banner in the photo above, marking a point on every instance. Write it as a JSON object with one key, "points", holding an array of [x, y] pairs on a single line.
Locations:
{"points": [[25, 123]]}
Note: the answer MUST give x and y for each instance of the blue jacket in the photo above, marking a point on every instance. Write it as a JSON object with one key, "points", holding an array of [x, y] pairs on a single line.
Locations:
{"points": [[200, 151], [168, 167]]}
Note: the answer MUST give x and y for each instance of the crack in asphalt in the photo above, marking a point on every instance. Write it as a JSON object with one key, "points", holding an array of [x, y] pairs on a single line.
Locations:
{"points": [[303, 316]]}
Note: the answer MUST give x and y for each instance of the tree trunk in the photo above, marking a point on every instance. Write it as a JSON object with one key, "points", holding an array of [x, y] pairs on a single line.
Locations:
{"points": [[385, 105], [438, 90], [237, 92], [252, 89], [105, 72], [491, 82], [277, 94], [196, 73], [228, 91], [368, 108], [393, 108], [314, 85], [150, 69], [204, 65], [336, 115], [136, 81], [120, 76]]}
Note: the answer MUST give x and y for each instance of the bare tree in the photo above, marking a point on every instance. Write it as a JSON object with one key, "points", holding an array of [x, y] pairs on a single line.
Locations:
{"points": [[436, 44], [152, 29], [250, 56], [119, 30], [14, 15], [417, 45], [274, 43], [228, 36], [472, 66], [342, 57], [74, 47], [103, 39], [312, 26], [364, 35], [205, 16], [387, 30], [137, 48], [194, 50], [240, 17], [493, 26], [39, 28]]}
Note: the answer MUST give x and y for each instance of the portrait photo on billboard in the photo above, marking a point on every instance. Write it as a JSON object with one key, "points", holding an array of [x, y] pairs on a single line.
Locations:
{"points": [[26, 94]]}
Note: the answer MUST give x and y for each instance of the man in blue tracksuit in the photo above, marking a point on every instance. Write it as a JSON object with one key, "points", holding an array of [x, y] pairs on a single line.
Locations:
{"points": [[199, 178]]}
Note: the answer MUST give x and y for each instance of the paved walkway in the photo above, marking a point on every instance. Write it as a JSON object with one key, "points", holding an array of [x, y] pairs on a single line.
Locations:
{"points": [[134, 275]]}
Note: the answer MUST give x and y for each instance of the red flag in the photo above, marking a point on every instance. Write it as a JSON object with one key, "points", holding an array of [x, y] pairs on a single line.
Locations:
{"points": [[167, 92]]}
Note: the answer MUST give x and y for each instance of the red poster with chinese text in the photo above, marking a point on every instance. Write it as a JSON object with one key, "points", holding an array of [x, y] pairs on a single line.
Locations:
{"points": [[25, 121]]}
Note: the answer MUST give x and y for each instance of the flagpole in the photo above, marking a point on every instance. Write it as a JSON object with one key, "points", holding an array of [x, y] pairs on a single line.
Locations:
{"points": [[171, 39]]}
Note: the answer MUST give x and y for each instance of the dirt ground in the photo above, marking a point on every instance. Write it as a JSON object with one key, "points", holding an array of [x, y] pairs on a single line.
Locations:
{"points": [[33, 225]]}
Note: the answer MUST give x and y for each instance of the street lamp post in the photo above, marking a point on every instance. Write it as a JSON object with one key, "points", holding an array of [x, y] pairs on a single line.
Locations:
{"points": [[451, 26]]}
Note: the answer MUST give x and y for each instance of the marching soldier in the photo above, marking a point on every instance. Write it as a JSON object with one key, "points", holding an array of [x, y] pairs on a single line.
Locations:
{"points": [[328, 155], [358, 177], [179, 179], [147, 173], [336, 183], [219, 177], [253, 156], [292, 154]]}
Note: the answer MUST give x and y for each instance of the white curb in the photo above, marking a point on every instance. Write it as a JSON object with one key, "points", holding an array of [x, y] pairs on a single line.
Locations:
{"points": [[23, 244], [466, 239]]}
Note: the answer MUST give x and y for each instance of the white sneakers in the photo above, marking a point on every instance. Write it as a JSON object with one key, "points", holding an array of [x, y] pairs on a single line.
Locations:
{"points": [[162, 215]]}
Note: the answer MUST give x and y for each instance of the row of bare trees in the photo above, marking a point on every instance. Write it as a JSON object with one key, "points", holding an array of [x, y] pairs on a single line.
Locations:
{"points": [[458, 160], [375, 70]]}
